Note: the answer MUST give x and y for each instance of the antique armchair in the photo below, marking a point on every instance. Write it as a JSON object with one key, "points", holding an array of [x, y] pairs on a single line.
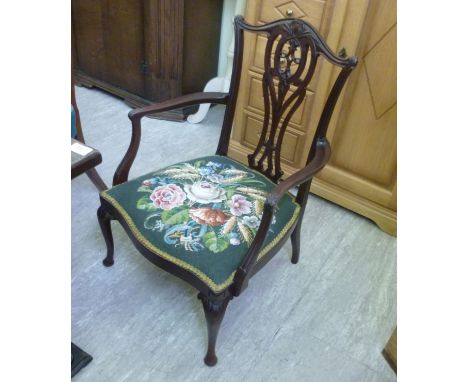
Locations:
{"points": [[213, 221]]}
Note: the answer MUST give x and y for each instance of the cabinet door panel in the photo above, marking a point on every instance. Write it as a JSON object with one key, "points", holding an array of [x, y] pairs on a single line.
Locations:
{"points": [[364, 141], [312, 10], [88, 37], [109, 41], [123, 22]]}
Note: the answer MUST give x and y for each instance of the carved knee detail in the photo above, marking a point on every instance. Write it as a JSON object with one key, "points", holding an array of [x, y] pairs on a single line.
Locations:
{"points": [[214, 308]]}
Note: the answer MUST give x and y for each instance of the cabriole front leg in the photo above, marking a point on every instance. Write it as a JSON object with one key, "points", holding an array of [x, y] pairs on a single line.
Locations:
{"points": [[105, 222], [214, 313]]}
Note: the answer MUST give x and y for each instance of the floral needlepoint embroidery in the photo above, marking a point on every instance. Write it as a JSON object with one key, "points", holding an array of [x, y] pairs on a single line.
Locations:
{"points": [[234, 241], [205, 192], [208, 216], [203, 205], [240, 205], [251, 221], [206, 171], [167, 197]]}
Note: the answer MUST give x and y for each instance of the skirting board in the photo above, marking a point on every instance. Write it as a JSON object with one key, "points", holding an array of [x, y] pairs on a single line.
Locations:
{"points": [[132, 100]]}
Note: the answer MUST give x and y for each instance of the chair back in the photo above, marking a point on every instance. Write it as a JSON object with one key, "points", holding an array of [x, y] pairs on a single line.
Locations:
{"points": [[292, 51]]}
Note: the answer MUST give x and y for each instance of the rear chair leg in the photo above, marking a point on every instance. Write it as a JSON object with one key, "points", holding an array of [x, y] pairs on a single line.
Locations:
{"points": [[296, 242], [214, 314], [296, 245], [104, 221]]}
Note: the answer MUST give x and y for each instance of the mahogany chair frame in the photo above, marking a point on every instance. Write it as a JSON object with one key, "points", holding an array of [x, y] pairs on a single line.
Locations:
{"points": [[279, 108]]}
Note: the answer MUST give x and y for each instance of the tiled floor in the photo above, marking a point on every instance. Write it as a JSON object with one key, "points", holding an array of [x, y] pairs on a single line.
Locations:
{"points": [[324, 319]]}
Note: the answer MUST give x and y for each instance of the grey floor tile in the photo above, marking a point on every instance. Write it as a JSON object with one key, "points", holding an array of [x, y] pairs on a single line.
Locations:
{"points": [[297, 356], [351, 304]]}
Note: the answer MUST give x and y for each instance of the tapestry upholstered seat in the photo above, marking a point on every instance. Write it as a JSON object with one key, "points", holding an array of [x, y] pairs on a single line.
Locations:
{"points": [[214, 222], [202, 215]]}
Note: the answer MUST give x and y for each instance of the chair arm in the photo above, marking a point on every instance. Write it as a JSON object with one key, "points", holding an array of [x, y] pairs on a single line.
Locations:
{"points": [[135, 115], [322, 154], [243, 273], [178, 102]]}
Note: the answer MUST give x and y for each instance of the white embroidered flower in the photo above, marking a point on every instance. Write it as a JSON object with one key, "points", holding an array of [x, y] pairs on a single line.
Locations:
{"points": [[205, 192]]}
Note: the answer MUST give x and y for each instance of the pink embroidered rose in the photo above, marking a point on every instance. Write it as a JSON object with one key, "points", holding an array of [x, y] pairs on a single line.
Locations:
{"points": [[167, 197], [239, 205]]}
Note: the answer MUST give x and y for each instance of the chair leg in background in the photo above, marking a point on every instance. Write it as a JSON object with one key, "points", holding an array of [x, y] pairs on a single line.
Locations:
{"points": [[96, 179], [105, 223], [214, 314]]}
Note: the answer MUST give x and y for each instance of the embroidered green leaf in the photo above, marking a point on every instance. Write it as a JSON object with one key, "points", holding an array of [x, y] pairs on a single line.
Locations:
{"points": [[230, 192], [214, 243], [175, 216], [144, 189], [145, 203]]}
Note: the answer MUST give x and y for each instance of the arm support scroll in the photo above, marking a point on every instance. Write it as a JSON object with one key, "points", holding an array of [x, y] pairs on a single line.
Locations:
{"points": [[135, 115]]}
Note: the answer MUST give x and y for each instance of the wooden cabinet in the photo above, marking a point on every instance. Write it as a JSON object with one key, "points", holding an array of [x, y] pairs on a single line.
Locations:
{"points": [[361, 174], [146, 51]]}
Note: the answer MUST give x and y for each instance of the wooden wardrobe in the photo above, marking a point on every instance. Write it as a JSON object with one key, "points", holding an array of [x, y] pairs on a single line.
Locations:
{"points": [[146, 51], [361, 174]]}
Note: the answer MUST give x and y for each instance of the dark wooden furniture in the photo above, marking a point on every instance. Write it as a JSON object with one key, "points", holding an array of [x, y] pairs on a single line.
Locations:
{"points": [[291, 55], [146, 51], [91, 172], [83, 163]]}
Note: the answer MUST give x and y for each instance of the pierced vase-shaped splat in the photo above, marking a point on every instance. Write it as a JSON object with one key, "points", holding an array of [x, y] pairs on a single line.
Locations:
{"points": [[290, 61]]}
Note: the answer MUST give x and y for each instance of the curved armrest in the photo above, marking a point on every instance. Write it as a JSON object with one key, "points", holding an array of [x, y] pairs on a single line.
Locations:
{"points": [[135, 115], [178, 102], [322, 154], [244, 271]]}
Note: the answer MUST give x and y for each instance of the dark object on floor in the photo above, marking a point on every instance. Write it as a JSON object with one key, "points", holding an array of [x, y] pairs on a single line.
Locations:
{"points": [[212, 221], [79, 359]]}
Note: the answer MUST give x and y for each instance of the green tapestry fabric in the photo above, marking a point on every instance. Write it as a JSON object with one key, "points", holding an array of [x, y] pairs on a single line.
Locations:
{"points": [[201, 215]]}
